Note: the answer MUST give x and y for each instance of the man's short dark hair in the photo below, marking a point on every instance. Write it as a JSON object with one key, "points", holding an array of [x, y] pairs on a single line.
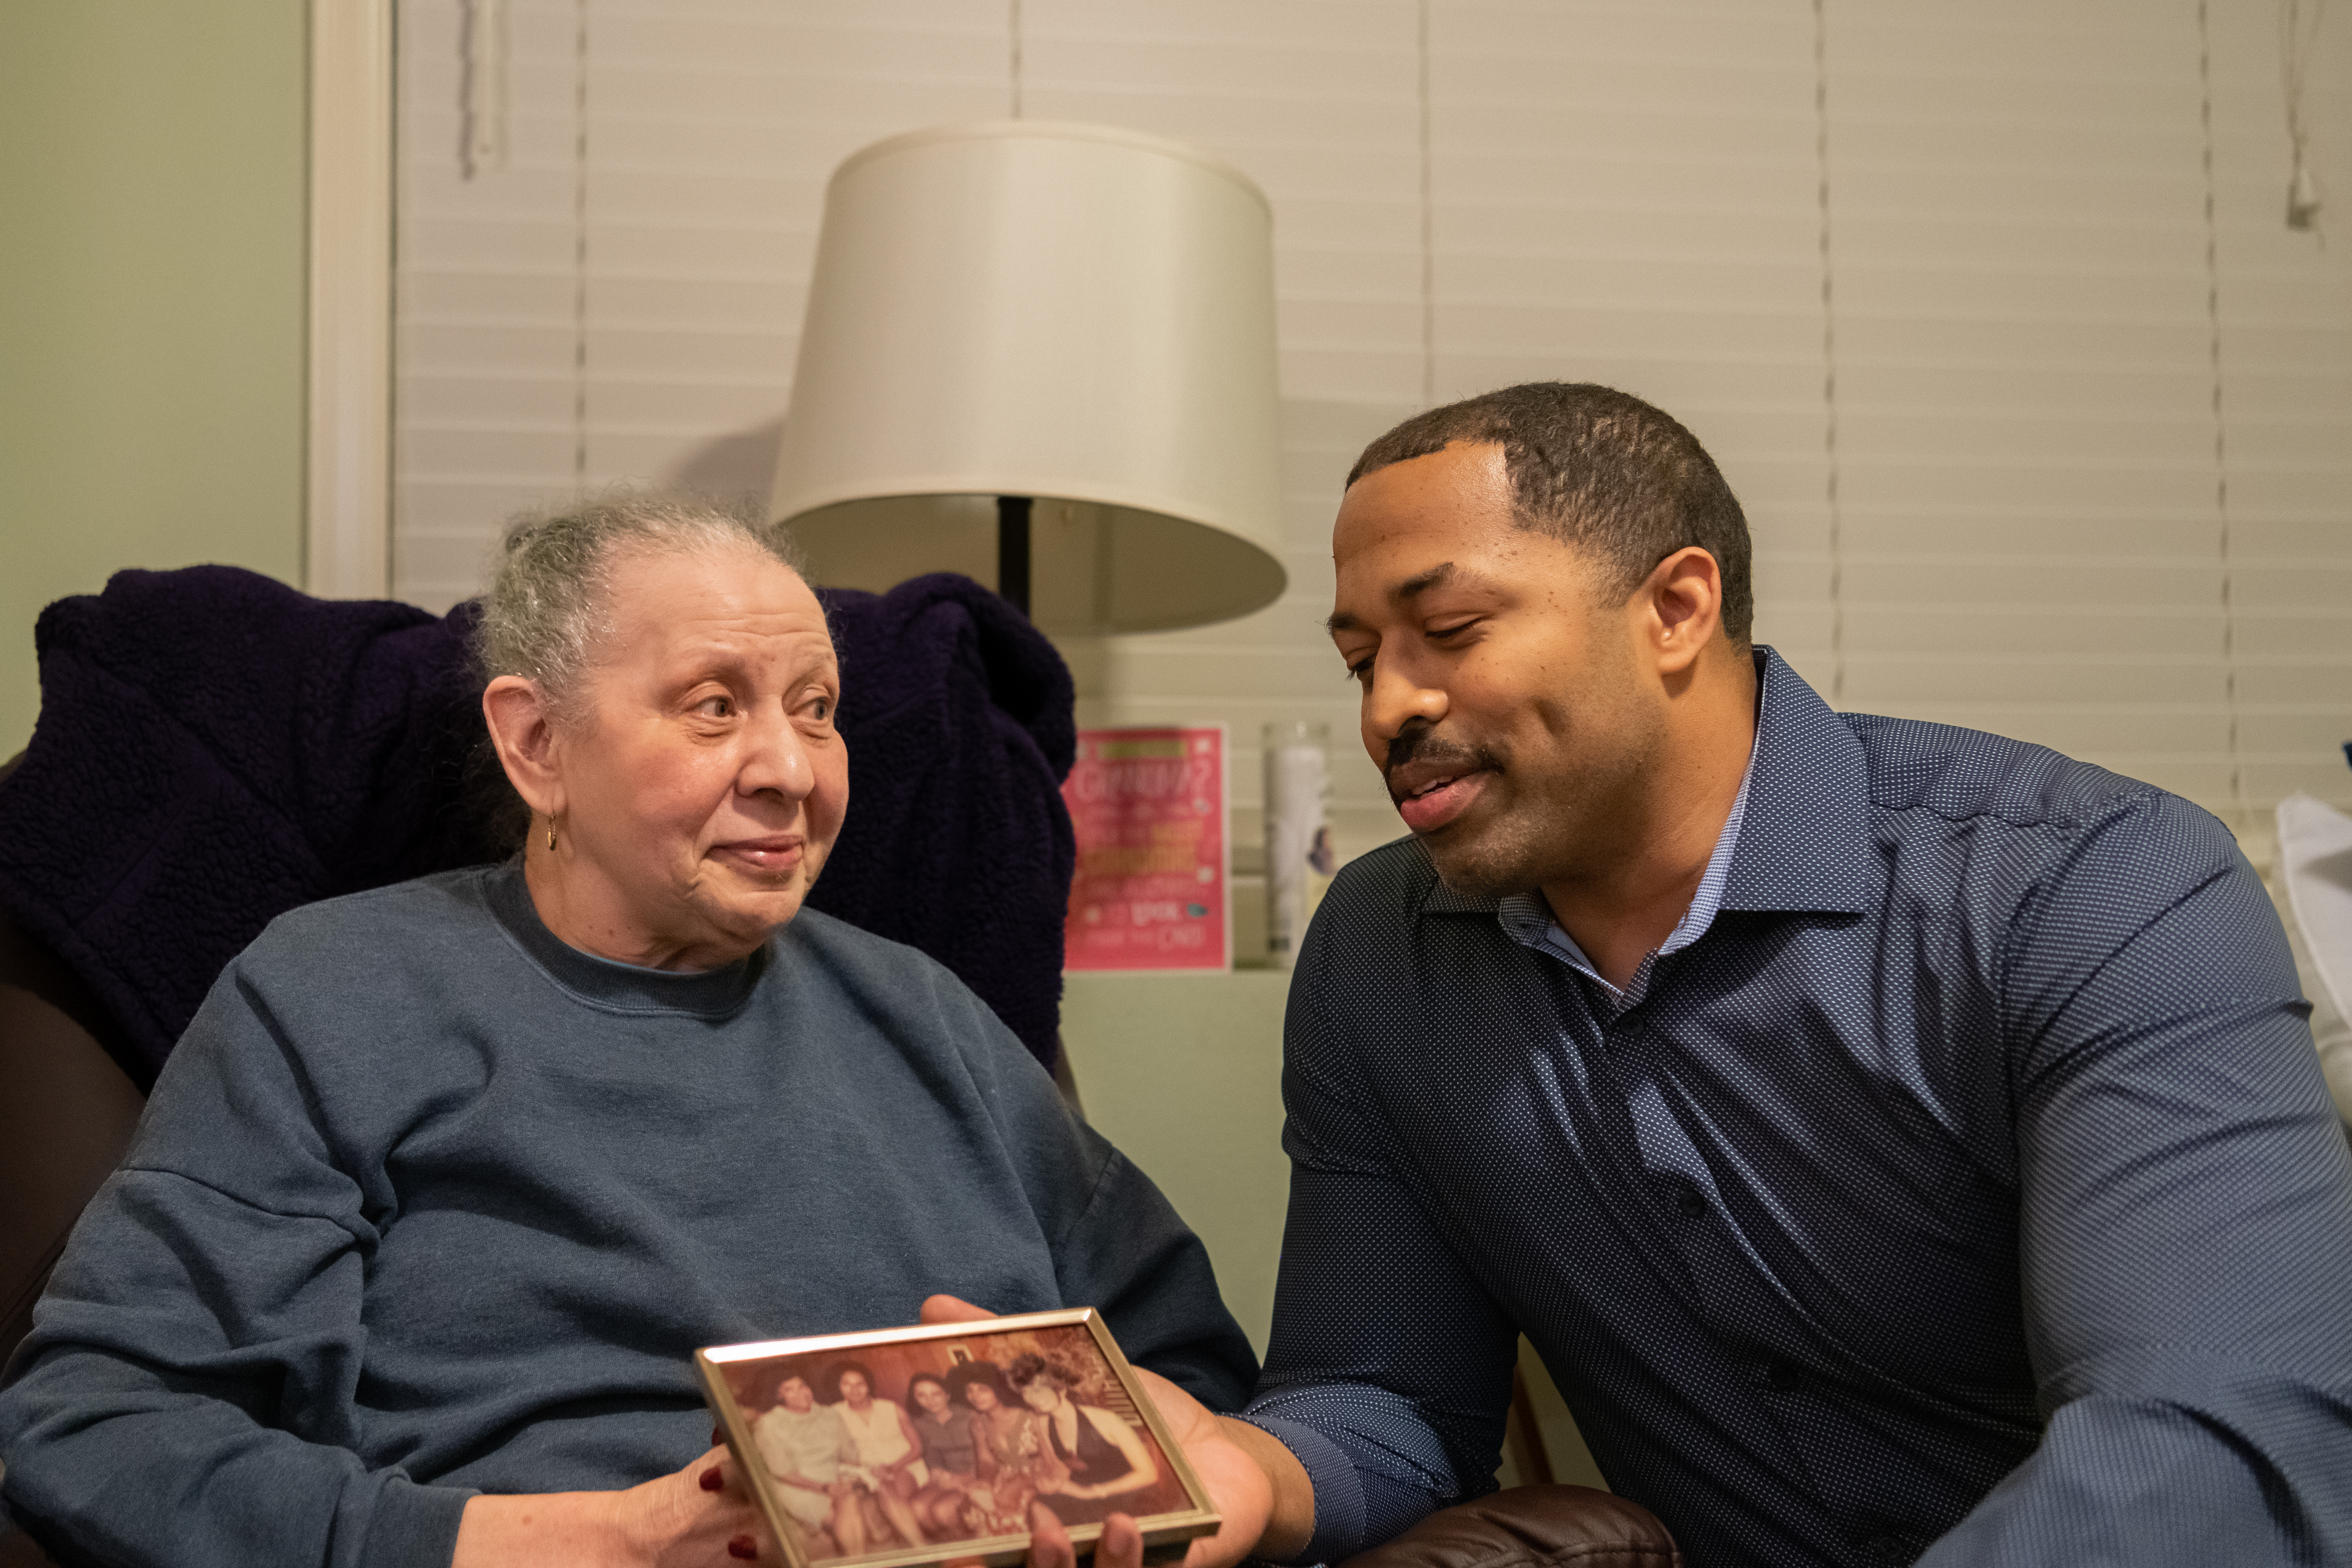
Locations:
{"points": [[1598, 469]]}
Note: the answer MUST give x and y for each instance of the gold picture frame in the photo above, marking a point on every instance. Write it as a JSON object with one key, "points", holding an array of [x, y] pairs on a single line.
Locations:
{"points": [[840, 1488]]}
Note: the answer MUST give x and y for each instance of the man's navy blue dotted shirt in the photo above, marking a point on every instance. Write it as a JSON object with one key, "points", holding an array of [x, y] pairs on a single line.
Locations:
{"points": [[1968, 1187]]}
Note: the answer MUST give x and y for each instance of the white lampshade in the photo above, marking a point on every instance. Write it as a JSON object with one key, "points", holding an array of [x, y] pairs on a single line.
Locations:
{"points": [[1079, 314]]}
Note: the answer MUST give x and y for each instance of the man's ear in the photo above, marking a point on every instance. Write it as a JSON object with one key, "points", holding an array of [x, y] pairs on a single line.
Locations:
{"points": [[523, 730], [1683, 602]]}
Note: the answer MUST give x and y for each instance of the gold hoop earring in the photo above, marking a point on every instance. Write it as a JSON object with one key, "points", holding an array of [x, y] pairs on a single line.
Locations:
{"points": [[551, 835]]}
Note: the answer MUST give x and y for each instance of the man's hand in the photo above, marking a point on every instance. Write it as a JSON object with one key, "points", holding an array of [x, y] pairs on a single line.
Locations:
{"points": [[699, 1517], [1239, 1486], [1050, 1546]]}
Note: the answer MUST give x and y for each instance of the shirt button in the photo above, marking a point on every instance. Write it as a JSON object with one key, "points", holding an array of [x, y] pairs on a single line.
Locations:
{"points": [[1689, 1202], [1891, 1549], [1780, 1375]]}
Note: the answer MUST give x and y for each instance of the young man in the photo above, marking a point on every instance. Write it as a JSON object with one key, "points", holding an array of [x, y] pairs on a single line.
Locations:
{"points": [[1900, 1142]]}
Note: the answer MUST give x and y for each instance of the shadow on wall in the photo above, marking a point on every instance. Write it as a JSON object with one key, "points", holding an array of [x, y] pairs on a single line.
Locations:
{"points": [[742, 464]]}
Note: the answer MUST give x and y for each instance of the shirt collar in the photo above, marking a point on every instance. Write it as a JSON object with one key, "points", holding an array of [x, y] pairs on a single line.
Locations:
{"points": [[1529, 919], [1806, 842], [1799, 839]]}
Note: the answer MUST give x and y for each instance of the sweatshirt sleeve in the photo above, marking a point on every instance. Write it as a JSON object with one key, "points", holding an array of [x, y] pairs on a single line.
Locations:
{"points": [[1117, 1244], [187, 1396], [1131, 1256]]}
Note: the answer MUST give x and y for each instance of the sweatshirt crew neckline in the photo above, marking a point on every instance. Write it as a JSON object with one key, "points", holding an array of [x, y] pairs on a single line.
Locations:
{"points": [[604, 983]]}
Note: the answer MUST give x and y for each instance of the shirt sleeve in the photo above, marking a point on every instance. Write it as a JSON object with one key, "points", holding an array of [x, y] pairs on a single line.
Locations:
{"points": [[1389, 1371], [185, 1395], [2186, 1222]]}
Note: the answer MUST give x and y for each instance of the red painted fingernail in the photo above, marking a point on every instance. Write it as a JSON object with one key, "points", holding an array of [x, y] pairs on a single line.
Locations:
{"points": [[744, 1547], [712, 1481]]}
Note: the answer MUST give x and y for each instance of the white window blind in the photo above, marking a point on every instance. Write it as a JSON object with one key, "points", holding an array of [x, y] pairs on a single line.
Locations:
{"points": [[2029, 439]]}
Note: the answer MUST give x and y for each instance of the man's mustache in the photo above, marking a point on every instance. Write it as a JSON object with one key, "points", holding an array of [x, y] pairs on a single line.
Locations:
{"points": [[1427, 745]]}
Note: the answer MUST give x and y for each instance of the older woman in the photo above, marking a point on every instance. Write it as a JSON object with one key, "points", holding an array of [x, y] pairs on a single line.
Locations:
{"points": [[446, 1181]]}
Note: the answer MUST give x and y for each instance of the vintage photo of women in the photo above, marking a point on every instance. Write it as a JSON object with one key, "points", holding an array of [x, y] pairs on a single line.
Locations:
{"points": [[939, 1443]]}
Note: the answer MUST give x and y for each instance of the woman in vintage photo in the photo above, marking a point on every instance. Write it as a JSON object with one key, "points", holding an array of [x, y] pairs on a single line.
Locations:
{"points": [[1102, 1458], [808, 1451], [446, 1181], [952, 1451], [887, 1446], [1010, 1433]]}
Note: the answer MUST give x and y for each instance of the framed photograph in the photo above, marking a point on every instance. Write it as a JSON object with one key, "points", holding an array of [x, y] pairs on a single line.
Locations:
{"points": [[926, 1445]]}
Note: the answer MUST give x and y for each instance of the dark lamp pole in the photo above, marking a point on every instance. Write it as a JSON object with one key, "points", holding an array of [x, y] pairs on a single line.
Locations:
{"points": [[1013, 549]]}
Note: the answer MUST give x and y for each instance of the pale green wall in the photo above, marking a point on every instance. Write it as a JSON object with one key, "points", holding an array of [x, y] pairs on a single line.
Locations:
{"points": [[152, 299], [1183, 1072]]}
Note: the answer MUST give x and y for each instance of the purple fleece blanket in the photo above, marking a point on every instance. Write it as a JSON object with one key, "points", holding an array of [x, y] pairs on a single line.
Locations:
{"points": [[215, 748], [959, 718]]}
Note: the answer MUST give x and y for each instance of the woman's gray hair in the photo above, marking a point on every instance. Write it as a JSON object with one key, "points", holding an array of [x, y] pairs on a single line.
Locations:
{"points": [[548, 607]]}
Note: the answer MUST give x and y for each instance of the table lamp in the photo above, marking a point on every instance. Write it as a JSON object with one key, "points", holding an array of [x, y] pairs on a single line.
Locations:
{"points": [[1042, 354]]}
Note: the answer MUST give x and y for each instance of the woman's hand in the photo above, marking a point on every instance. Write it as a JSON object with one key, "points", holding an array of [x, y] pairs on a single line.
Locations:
{"points": [[703, 1514], [1239, 1487], [699, 1517]]}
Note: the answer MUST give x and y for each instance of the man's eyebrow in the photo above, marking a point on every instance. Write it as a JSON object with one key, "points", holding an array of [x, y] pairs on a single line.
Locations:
{"points": [[1413, 588], [1405, 591]]}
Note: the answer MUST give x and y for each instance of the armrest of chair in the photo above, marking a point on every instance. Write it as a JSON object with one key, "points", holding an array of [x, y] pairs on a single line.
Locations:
{"points": [[66, 1111], [18, 1550], [1532, 1527]]}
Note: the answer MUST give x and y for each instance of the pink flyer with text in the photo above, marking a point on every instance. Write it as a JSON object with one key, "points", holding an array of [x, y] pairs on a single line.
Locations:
{"points": [[1151, 888]]}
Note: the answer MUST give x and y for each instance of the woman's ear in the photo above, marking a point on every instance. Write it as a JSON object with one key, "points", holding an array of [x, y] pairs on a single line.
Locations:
{"points": [[523, 730]]}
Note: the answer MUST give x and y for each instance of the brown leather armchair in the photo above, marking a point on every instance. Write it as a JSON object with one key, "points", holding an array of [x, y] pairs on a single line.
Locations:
{"points": [[66, 1111], [1532, 1527], [65, 1116]]}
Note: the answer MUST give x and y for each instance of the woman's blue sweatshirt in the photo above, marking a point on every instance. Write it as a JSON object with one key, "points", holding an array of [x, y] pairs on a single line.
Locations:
{"points": [[427, 1203]]}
